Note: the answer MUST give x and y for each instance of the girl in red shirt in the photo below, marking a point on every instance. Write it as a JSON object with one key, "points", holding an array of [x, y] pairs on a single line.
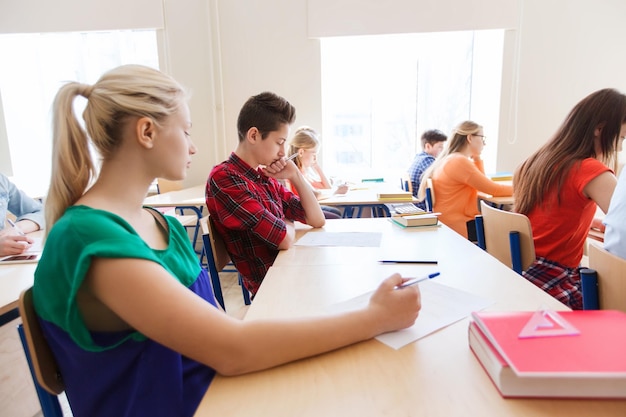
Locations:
{"points": [[562, 183]]}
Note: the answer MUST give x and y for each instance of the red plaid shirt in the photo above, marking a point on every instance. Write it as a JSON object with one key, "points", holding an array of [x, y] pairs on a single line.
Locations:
{"points": [[248, 209]]}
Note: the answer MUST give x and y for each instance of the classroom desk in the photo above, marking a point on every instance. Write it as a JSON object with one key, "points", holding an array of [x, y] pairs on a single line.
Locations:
{"points": [[14, 278], [360, 198], [434, 376], [498, 202], [192, 196]]}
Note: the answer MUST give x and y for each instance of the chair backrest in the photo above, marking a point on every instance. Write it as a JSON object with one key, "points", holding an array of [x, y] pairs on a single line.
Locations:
{"points": [[164, 186], [430, 194], [406, 184], [611, 270], [44, 364], [218, 258], [497, 227], [218, 247]]}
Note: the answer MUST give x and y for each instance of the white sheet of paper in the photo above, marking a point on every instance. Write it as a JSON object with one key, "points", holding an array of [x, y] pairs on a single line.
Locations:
{"points": [[34, 249], [358, 239], [441, 306]]}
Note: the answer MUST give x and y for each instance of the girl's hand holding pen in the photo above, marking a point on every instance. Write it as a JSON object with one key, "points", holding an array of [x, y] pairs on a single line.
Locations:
{"points": [[14, 244], [13, 241], [395, 310]]}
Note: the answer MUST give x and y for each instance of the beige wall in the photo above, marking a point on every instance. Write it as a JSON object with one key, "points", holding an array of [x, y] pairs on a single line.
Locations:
{"points": [[569, 48], [227, 50], [560, 51]]}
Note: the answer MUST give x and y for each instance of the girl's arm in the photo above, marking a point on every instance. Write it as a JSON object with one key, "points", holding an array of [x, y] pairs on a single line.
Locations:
{"points": [[148, 299], [472, 174], [325, 182], [600, 189]]}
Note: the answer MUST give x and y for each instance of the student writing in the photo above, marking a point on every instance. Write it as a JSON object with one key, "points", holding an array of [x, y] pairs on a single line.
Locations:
{"points": [[29, 218], [125, 307]]}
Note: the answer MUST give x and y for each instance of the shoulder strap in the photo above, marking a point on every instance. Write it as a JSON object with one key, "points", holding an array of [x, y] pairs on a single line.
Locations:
{"points": [[159, 218]]}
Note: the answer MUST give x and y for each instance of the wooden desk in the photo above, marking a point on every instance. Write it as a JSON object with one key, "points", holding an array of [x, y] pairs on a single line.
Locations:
{"points": [[363, 197], [192, 196], [498, 202], [14, 278], [434, 376]]}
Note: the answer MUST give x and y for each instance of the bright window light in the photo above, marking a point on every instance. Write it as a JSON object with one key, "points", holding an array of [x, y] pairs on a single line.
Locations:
{"points": [[34, 66], [379, 93]]}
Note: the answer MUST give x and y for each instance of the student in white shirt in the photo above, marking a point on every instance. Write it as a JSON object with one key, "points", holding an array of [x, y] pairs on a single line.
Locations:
{"points": [[29, 218], [615, 232]]}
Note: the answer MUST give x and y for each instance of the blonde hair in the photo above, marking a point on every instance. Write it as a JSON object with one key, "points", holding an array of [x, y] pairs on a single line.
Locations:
{"points": [[457, 143], [124, 92], [303, 138]]}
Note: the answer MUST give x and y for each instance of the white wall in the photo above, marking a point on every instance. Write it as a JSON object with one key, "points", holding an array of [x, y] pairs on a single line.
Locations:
{"points": [[228, 50], [567, 49], [265, 47]]}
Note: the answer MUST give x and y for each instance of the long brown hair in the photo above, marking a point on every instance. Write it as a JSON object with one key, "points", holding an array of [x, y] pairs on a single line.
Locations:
{"points": [[546, 170]]}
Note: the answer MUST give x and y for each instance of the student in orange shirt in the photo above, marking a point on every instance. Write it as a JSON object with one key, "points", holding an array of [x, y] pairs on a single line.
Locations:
{"points": [[457, 175], [562, 183]]}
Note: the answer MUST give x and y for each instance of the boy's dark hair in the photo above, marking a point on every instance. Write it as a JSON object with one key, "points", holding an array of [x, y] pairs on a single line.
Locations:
{"points": [[433, 136], [265, 111]]}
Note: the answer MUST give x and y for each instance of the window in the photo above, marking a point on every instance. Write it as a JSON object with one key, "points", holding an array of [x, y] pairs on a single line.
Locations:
{"points": [[33, 68], [379, 93]]}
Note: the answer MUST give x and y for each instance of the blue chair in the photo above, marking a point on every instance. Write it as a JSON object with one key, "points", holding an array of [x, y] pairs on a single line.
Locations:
{"points": [[41, 362], [217, 260], [430, 195], [507, 236]]}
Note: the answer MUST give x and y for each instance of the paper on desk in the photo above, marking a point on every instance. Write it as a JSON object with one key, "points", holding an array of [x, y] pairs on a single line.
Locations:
{"points": [[32, 254], [441, 306], [359, 239]]}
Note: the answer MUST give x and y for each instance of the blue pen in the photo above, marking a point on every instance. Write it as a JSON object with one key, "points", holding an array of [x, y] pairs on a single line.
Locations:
{"points": [[414, 281]]}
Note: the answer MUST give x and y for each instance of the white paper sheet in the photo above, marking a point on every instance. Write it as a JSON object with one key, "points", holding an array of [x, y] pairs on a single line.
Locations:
{"points": [[441, 306]]}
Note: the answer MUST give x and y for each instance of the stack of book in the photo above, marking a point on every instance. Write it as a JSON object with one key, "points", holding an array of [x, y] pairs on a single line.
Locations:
{"points": [[501, 176], [579, 354], [395, 196], [413, 220]]}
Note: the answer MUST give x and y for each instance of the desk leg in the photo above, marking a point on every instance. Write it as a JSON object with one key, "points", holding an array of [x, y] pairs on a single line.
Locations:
{"points": [[198, 211]]}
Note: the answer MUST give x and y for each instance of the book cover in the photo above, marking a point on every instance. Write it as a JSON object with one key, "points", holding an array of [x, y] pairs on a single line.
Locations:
{"points": [[589, 364], [417, 220], [395, 196], [501, 176]]}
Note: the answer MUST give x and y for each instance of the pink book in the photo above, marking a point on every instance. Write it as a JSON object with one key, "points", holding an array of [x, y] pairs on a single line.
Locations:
{"points": [[583, 355]]}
